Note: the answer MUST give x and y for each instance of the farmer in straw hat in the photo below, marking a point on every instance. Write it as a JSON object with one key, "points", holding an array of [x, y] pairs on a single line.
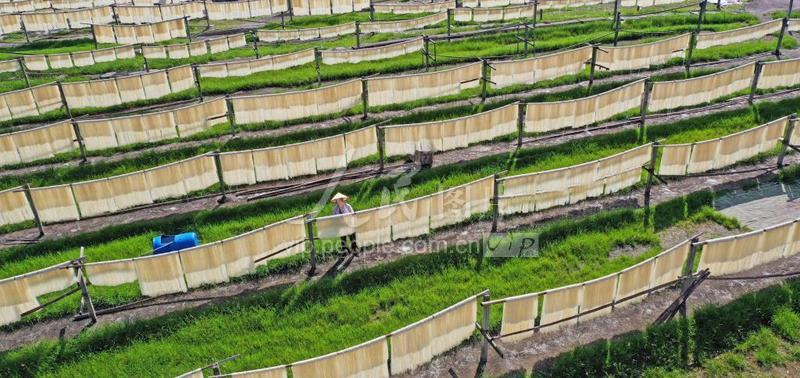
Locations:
{"points": [[341, 207]]}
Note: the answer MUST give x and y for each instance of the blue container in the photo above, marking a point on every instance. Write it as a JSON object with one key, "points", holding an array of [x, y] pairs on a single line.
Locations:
{"points": [[170, 243]]}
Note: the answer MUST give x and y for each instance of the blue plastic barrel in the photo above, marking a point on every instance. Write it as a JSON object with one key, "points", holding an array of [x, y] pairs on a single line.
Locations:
{"points": [[170, 243]]}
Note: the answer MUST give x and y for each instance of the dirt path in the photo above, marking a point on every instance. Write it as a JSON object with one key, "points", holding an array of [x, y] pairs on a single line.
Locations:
{"points": [[450, 157], [763, 8], [65, 327]]}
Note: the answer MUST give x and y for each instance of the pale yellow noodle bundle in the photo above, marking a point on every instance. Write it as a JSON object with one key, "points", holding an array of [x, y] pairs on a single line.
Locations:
{"points": [[361, 143], [598, 293], [111, 273], [55, 203], [203, 265], [634, 280], [747, 33], [366, 360], [780, 73], [411, 218], [160, 274], [560, 304], [519, 314], [14, 206], [94, 197], [15, 298], [670, 263], [238, 168]]}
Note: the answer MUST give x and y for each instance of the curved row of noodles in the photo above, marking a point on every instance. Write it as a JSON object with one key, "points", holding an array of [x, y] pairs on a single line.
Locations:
{"points": [[284, 162], [564, 306]]}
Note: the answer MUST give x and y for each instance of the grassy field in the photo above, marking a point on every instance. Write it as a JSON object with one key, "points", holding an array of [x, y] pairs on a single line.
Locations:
{"points": [[336, 313], [134, 239]]}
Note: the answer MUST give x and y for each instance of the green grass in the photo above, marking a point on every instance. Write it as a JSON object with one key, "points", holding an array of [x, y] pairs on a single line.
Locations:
{"points": [[336, 313]]}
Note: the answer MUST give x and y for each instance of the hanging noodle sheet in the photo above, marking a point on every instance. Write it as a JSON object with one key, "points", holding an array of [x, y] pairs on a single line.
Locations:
{"points": [[417, 344], [307, 34], [402, 25], [747, 33], [14, 207], [541, 68], [408, 8], [39, 143], [238, 251], [361, 143], [203, 265], [597, 293], [111, 273], [238, 168], [699, 90], [55, 203], [411, 218], [370, 359], [559, 304], [374, 226], [405, 88], [634, 280], [728, 255], [634, 57], [244, 67], [519, 314], [94, 197], [271, 372], [198, 173], [773, 243], [160, 274], [549, 116], [779, 74], [300, 104], [669, 264], [15, 299], [675, 159], [337, 56]]}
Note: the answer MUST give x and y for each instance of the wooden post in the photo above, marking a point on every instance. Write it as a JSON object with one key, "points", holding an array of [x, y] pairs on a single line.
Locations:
{"points": [[79, 139], [789, 13], [25, 31], [312, 248], [688, 271], [786, 141], [197, 81], [291, 9], [283, 21], [541, 14], [754, 83], [86, 299], [115, 16], [616, 12], [255, 44], [186, 25], [231, 115], [64, 99], [485, 326], [146, 64], [651, 166], [449, 23], [525, 40], [617, 21], [719, 4], [701, 16], [484, 78], [425, 52], [358, 34], [521, 111], [593, 64], [24, 70], [205, 10], [495, 202], [687, 59], [34, 211], [94, 37], [381, 147], [372, 11], [220, 177], [784, 28], [317, 63], [648, 89], [364, 97]]}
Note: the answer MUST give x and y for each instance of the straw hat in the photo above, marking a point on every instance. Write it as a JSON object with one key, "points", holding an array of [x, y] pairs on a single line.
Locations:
{"points": [[339, 196]]}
